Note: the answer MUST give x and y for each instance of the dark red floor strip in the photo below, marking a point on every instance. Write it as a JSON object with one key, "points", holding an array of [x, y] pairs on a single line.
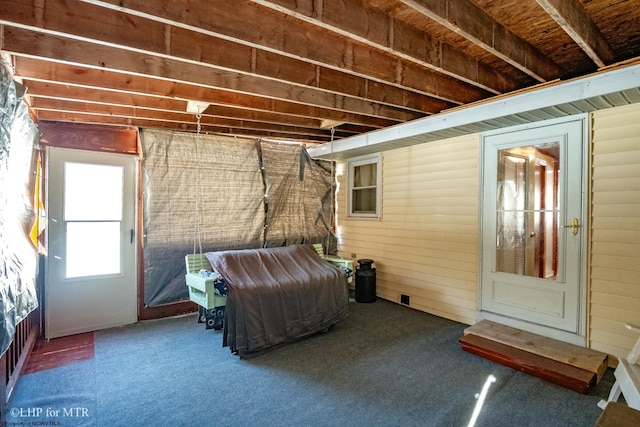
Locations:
{"points": [[48, 354]]}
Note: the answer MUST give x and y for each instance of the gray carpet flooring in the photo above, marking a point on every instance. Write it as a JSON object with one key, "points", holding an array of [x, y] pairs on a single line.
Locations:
{"points": [[385, 365]]}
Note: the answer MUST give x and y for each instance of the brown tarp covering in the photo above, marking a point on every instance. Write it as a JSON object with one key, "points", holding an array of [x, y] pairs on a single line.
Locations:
{"points": [[278, 295], [248, 194], [223, 176], [298, 196]]}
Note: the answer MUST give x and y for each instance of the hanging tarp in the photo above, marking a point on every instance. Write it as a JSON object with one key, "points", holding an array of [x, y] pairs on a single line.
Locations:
{"points": [[230, 204], [298, 195], [18, 267], [207, 193]]}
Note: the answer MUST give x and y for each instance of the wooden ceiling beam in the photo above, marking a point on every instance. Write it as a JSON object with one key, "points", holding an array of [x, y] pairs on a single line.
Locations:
{"points": [[88, 118], [251, 25], [76, 20], [75, 107], [473, 23], [23, 42], [375, 29], [89, 78], [576, 22], [121, 99], [42, 103]]}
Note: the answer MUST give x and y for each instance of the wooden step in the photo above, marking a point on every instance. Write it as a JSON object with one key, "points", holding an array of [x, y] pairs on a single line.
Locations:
{"points": [[618, 415], [557, 359], [567, 376]]}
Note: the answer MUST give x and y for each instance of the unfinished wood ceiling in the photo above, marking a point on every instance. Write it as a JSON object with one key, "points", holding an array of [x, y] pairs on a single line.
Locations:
{"points": [[299, 69]]}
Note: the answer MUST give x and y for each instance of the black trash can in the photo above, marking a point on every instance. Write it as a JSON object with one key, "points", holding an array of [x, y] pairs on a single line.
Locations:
{"points": [[365, 281]]}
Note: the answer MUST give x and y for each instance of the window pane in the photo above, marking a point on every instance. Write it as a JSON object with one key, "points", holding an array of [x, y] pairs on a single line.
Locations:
{"points": [[527, 211], [92, 192], [364, 201], [365, 175], [511, 241], [512, 183], [93, 248]]}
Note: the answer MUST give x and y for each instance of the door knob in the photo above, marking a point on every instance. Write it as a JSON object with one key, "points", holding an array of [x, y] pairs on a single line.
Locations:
{"points": [[575, 225]]}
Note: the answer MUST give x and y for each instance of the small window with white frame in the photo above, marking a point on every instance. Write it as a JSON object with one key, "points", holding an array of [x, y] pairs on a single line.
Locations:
{"points": [[364, 180]]}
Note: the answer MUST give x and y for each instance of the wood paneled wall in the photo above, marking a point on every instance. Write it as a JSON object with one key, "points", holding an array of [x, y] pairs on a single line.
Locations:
{"points": [[425, 244], [89, 137], [615, 229]]}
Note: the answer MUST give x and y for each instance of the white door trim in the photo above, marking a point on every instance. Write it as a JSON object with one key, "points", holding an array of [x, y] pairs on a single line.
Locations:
{"points": [[580, 337]]}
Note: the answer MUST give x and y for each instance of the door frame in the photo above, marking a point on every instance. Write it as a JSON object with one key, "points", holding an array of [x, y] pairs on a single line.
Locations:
{"points": [[580, 337]]}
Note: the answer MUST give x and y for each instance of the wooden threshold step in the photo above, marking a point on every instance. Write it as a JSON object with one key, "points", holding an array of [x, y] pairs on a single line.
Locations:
{"points": [[558, 373], [561, 363], [569, 354]]}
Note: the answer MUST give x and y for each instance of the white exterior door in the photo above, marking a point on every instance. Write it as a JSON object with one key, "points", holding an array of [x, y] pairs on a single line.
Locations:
{"points": [[91, 262], [533, 229]]}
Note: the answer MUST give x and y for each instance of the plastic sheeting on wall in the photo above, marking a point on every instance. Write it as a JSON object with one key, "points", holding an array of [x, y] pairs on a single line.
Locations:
{"points": [[19, 261], [235, 177]]}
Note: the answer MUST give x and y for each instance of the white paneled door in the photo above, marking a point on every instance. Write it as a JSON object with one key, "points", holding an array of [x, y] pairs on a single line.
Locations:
{"points": [[533, 227], [91, 262]]}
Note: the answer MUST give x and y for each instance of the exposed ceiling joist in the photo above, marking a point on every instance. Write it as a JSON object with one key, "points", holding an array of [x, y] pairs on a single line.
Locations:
{"points": [[573, 19], [305, 70], [90, 83], [55, 97], [253, 26], [29, 43], [469, 20], [374, 28]]}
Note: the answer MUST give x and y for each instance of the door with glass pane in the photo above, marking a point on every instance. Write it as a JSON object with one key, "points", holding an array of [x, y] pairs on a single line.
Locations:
{"points": [[533, 225], [91, 263]]}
